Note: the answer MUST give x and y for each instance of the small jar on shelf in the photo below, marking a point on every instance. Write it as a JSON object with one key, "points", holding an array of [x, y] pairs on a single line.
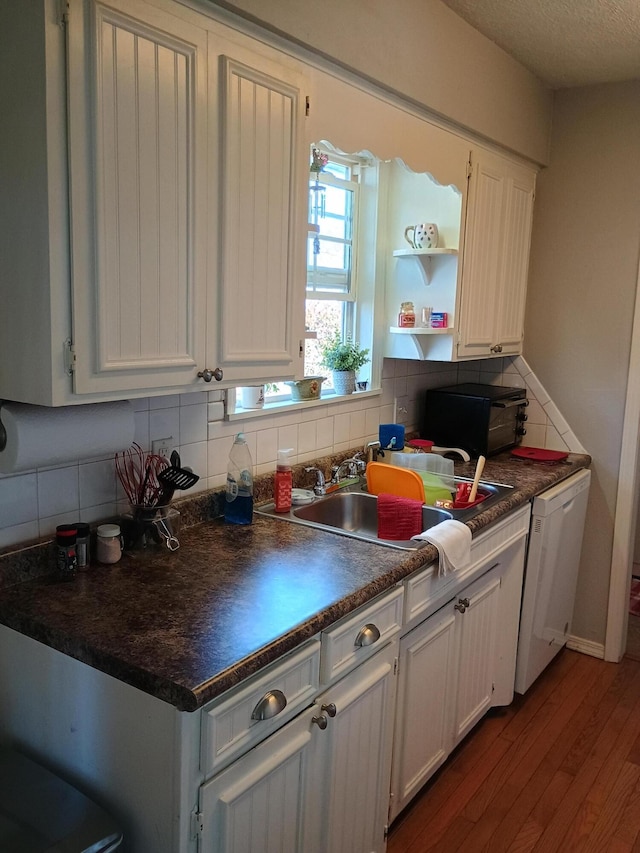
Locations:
{"points": [[407, 315]]}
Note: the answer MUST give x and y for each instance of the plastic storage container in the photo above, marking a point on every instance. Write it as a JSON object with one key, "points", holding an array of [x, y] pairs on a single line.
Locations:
{"points": [[109, 543], [40, 813], [238, 508]]}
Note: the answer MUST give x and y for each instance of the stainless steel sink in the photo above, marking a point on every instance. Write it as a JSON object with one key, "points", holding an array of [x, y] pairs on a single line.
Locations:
{"points": [[354, 513]]}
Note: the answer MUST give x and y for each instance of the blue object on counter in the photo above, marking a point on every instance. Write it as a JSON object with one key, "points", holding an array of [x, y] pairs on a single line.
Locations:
{"points": [[391, 436]]}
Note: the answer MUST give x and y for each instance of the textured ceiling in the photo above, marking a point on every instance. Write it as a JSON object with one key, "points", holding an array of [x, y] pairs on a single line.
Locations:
{"points": [[563, 42]]}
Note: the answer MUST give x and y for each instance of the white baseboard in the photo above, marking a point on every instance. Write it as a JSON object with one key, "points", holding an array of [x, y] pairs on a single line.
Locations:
{"points": [[586, 647]]}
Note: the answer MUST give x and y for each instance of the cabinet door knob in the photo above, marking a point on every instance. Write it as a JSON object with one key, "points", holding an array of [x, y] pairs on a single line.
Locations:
{"points": [[496, 348], [208, 374], [330, 709], [321, 721], [368, 635], [270, 705], [462, 605]]}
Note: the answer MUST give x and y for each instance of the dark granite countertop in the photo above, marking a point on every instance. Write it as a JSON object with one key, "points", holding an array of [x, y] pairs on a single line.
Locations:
{"points": [[187, 626]]}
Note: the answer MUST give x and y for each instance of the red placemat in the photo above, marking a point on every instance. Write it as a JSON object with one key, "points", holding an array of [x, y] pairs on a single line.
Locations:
{"points": [[539, 454]]}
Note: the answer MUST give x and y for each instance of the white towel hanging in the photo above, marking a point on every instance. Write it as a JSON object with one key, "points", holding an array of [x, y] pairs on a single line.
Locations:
{"points": [[453, 540]]}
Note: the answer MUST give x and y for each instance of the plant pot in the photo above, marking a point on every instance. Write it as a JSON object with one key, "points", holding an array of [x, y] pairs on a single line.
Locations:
{"points": [[251, 397], [307, 388], [344, 381]]}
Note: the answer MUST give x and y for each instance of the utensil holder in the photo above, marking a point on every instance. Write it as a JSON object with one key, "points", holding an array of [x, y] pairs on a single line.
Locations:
{"points": [[157, 526]]}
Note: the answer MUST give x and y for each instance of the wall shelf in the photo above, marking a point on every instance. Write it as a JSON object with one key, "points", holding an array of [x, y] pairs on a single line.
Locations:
{"points": [[424, 257], [421, 336], [419, 253], [419, 330]]}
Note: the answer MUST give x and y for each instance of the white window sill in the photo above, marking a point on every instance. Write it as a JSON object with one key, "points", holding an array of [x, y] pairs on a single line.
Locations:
{"points": [[241, 414]]}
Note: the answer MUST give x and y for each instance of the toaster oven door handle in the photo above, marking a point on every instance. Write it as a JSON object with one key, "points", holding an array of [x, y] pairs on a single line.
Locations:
{"points": [[508, 404]]}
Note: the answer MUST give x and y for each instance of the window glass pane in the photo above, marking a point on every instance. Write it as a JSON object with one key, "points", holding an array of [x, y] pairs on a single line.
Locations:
{"points": [[332, 210], [324, 317], [340, 170], [324, 254]]}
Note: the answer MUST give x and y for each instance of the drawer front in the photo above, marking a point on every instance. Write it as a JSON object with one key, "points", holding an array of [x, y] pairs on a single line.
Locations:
{"points": [[259, 706], [359, 635], [427, 590]]}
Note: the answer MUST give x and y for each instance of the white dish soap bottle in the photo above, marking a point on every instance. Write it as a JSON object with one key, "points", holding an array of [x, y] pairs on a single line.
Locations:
{"points": [[238, 508]]}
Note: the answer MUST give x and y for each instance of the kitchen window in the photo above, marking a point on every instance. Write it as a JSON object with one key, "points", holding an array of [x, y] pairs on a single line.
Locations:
{"points": [[331, 253], [337, 298]]}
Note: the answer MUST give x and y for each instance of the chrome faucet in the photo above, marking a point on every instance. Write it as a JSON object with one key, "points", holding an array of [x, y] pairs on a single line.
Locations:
{"points": [[320, 487], [355, 466]]}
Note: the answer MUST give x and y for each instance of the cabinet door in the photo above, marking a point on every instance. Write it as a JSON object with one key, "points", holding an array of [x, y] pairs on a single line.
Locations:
{"points": [[352, 760], [515, 261], [257, 804], [259, 316], [423, 736], [137, 147], [477, 611], [496, 254]]}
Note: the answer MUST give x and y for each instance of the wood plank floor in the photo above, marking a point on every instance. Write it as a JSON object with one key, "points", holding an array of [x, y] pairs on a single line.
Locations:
{"points": [[558, 770]]}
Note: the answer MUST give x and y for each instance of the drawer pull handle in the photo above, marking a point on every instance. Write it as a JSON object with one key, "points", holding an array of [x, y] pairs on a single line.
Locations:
{"points": [[270, 705], [321, 721], [367, 636], [330, 709]]}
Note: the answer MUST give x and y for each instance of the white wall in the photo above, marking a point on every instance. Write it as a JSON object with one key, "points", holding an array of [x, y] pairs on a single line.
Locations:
{"points": [[424, 52], [582, 290]]}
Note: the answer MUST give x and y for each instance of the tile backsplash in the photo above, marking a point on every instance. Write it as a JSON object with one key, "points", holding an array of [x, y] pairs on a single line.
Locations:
{"points": [[34, 502]]}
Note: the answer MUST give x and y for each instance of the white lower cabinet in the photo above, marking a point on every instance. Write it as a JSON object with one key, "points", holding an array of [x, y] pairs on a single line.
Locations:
{"points": [[353, 760], [257, 804], [458, 661], [423, 731], [476, 615], [318, 785], [251, 773]]}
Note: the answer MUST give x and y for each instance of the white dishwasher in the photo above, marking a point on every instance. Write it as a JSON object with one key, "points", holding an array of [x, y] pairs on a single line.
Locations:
{"points": [[551, 575]]}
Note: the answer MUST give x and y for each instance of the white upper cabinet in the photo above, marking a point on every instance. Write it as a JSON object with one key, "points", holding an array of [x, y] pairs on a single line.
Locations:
{"points": [[478, 273], [160, 235], [184, 205], [260, 110], [138, 160], [496, 257]]}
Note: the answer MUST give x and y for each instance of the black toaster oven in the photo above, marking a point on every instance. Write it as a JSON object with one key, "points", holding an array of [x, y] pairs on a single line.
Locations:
{"points": [[482, 419]]}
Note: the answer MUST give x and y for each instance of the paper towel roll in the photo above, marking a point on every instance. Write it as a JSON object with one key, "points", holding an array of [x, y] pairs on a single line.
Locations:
{"points": [[38, 436]]}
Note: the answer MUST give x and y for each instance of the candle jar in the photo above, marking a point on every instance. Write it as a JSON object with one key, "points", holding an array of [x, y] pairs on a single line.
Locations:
{"points": [[407, 315], [108, 543]]}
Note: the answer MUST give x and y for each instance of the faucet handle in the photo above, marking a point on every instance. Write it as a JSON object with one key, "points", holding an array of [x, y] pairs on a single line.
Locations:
{"points": [[320, 485], [359, 464], [372, 449]]}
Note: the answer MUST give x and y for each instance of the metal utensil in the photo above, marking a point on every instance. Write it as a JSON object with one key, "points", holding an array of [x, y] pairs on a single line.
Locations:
{"points": [[164, 532]]}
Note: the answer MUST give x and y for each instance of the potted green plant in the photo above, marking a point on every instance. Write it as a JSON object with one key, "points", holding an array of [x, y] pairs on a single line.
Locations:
{"points": [[343, 358]]}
